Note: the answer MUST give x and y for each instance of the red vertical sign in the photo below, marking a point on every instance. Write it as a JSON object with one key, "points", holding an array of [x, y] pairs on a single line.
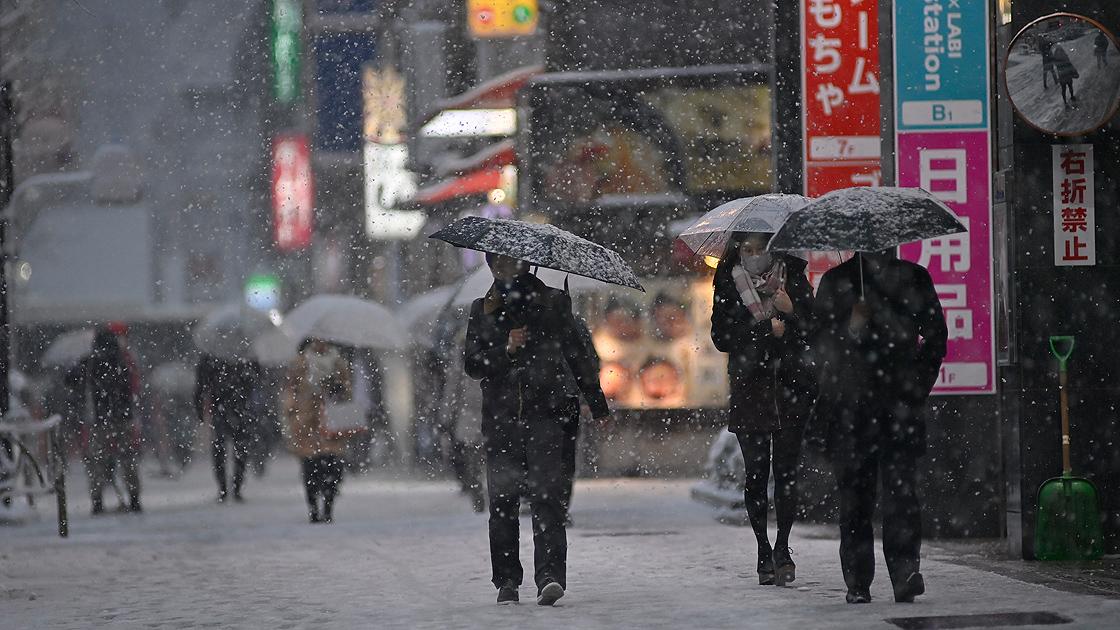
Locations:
{"points": [[293, 192], [840, 100]]}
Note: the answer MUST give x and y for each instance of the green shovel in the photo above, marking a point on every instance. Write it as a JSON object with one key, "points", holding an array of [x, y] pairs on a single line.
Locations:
{"points": [[1068, 524]]}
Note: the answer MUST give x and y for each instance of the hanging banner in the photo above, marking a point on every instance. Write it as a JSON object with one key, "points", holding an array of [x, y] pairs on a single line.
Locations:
{"points": [[287, 18], [840, 94], [1075, 226], [943, 144], [293, 192]]}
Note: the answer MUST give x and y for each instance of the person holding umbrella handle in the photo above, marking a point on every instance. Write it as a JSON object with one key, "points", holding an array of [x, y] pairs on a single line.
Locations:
{"points": [[524, 346]]}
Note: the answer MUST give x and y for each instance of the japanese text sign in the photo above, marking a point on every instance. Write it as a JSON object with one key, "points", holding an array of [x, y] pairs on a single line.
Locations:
{"points": [[293, 192], [840, 94], [1075, 242], [943, 144]]}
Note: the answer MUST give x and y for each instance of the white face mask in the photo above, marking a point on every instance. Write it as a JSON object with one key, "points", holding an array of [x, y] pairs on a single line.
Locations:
{"points": [[757, 265]]}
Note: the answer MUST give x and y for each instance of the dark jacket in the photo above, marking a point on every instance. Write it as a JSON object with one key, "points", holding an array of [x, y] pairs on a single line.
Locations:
{"points": [[771, 378], [543, 376], [888, 368], [227, 386], [107, 376]]}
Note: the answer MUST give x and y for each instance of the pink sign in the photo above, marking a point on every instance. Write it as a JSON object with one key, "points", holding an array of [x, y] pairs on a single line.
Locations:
{"points": [[954, 167]]}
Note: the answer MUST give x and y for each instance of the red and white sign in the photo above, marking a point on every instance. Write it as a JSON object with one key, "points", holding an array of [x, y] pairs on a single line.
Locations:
{"points": [[1075, 229], [293, 192], [840, 94]]}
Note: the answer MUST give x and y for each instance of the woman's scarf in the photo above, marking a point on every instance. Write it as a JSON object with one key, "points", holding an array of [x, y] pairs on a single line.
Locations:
{"points": [[757, 292]]}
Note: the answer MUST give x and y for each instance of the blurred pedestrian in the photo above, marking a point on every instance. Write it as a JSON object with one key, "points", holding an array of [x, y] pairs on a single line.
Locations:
{"points": [[880, 341], [319, 376], [523, 344], [224, 390], [461, 415], [107, 378], [1066, 71], [761, 317], [1100, 49]]}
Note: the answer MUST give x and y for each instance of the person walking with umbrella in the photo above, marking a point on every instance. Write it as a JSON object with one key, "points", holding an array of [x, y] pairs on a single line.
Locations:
{"points": [[524, 345], [761, 318], [106, 377], [880, 338]]}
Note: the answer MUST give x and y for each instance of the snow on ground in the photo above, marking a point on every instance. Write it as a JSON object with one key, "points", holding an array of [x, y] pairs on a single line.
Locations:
{"points": [[411, 554]]}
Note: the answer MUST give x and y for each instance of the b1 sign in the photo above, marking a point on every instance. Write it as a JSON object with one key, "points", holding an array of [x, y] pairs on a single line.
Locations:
{"points": [[942, 144]]}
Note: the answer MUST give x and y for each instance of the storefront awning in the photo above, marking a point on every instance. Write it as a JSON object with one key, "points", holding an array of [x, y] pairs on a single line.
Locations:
{"points": [[497, 93], [473, 183], [494, 156]]}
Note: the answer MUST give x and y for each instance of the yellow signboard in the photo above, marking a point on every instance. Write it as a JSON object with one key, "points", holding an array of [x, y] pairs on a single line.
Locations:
{"points": [[502, 18]]}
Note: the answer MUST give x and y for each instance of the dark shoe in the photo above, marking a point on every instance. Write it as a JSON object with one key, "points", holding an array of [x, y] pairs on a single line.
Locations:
{"points": [[313, 515], [134, 506], [784, 568], [237, 496], [507, 594], [914, 585], [858, 596], [766, 566], [98, 508], [550, 593]]}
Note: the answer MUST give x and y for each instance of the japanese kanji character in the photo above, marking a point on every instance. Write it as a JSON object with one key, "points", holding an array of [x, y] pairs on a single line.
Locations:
{"points": [[953, 250], [1073, 162], [1075, 220], [1074, 246], [1073, 190]]}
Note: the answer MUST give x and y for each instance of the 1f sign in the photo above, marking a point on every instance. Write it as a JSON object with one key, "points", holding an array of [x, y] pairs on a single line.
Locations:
{"points": [[1075, 233]]}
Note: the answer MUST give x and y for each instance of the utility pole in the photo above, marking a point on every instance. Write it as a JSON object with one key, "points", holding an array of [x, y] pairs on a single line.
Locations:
{"points": [[7, 182]]}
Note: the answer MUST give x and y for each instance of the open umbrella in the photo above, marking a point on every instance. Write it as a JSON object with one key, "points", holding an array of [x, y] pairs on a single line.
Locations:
{"points": [[478, 283], [419, 315], [709, 235], [228, 332], [342, 319], [866, 219], [69, 348], [542, 245]]}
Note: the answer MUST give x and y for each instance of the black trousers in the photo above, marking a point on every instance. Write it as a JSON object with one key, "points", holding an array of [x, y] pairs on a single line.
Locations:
{"points": [[524, 458], [229, 429], [569, 447], [857, 476], [322, 474], [782, 449]]}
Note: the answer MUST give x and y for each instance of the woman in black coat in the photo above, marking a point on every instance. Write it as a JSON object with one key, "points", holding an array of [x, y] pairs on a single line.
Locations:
{"points": [[761, 319]]}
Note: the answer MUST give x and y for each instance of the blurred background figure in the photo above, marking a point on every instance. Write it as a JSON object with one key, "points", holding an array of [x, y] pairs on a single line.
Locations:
{"points": [[109, 381], [224, 390], [319, 375]]}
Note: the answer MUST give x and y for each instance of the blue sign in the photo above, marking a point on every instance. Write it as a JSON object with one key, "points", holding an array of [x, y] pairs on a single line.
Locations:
{"points": [[941, 64]]}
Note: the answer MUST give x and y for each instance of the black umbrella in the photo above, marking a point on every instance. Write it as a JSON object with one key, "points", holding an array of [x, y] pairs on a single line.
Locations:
{"points": [[540, 244], [866, 219]]}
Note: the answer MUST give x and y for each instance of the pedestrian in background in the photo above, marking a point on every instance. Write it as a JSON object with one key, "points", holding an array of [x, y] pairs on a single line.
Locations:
{"points": [[523, 344], [880, 341], [318, 376], [761, 316], [107, 378], [224, 390]]}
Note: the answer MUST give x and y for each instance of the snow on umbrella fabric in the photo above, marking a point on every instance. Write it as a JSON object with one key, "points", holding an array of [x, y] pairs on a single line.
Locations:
{"points": [[866, 219], [69, 348], [418, 316], [711, 233], [342, 319], [542, 245], [229, 332]]}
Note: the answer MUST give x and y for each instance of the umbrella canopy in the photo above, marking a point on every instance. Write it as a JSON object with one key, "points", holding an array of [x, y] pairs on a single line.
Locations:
{"points": [[710, 234], [542, 245], [419, 315], [69, 348], [478, 283], [228, 332], [866, 219], [342, 319]]}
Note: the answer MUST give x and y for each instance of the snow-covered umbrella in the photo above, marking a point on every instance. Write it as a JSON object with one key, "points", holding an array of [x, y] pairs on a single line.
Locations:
{"points": [[478, 283], [542, 245], [69, 348], [711, 233], [342, 319], [228, 332], [866, 219]]}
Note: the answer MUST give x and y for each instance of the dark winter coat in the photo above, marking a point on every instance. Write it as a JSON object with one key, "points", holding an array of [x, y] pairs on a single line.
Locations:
{"points": [[227, 386], [886, 371], [554, 366], [771, 378], [107, 376], [1067, 72]]}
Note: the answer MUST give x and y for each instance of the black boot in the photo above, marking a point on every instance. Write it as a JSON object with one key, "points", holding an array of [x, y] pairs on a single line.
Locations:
{"points": [[134, 505], [765, 565], [98, 507], [784, 569], [858, 596], [914, 585]]}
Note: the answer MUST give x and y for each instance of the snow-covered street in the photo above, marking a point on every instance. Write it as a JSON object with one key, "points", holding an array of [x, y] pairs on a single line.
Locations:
{"points": [[411, 554]]}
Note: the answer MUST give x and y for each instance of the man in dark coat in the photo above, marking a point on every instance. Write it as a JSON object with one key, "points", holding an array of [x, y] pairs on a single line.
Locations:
{"points": [[772, 385], [880, 341], [223, 391], [522, 342]]}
